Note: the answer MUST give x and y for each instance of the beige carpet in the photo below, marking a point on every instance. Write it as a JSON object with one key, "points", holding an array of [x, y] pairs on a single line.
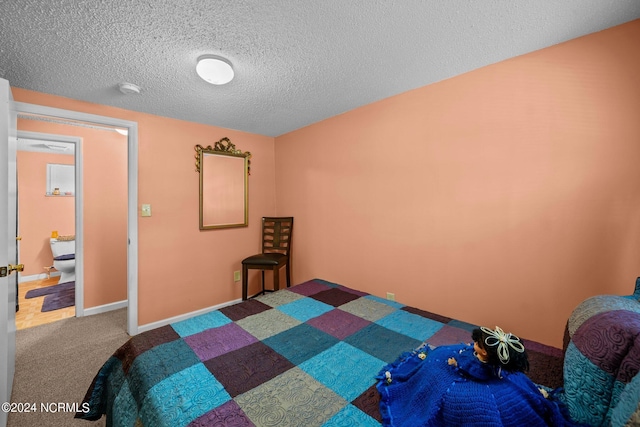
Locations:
{"points": [[56, 363]]}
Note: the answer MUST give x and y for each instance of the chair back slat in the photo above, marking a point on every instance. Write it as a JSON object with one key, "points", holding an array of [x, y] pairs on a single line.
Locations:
{"points": [[276, 235]]}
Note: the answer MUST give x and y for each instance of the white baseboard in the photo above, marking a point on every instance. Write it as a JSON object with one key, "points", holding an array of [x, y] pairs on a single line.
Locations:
{"points": [[104, 308], [159, 323], [33, 277]]}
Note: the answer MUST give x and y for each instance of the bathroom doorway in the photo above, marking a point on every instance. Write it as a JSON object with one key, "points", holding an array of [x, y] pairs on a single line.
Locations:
{"points": [[98, 216], [46, 204]]}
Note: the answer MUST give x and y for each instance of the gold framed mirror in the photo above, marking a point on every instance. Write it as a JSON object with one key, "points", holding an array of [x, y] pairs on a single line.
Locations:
{"points": [[224, 190]]}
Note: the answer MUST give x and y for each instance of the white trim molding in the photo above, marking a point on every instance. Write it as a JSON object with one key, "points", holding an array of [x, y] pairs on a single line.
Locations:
{"points": [[165, 322], [104, 308]]}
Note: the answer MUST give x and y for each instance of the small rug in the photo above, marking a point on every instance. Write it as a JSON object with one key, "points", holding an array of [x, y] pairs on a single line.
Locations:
{"points": [[58, 300], [47, 290]]}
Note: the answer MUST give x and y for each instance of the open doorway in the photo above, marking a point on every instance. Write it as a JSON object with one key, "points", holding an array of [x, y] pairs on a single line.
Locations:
{"points": [[47, 198], [91, 296]]}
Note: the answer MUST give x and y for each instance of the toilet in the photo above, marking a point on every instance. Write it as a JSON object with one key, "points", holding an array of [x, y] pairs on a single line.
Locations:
{"points": [[64, 258]]}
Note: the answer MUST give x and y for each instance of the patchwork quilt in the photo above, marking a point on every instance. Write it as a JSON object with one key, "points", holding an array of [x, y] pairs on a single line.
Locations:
{"points": [[602, 361], [302, 356]]}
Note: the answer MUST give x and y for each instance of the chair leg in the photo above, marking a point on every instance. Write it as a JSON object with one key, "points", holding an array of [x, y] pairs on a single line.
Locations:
{"points": [[276, 278], [288, 272], [262, 271], [245, 282]]}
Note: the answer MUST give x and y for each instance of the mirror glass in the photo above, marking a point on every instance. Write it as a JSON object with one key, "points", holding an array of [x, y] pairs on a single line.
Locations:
{"points": [[223, 188], [61, 179]]}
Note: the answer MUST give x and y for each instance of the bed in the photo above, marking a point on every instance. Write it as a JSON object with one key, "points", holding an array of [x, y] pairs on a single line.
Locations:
{"points": [[302, 356]]}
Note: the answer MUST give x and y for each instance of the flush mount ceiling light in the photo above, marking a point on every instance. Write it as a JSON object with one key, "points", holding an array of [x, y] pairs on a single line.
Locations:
{"points": [[129, 88], [56, 147], [214, 69]]}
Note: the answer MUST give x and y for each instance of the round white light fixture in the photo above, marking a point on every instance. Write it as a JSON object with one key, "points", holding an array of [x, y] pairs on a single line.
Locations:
{"points": [[214, 69], [129, 88]]}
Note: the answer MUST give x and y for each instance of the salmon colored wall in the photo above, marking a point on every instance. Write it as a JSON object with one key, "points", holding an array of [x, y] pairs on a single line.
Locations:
{"points": [[104, 199], [38, 214], [105, 218], [504, 196], [180, 268]]}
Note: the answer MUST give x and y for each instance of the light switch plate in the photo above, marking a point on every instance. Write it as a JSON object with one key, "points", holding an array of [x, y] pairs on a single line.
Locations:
{"points": [[145, 210]]}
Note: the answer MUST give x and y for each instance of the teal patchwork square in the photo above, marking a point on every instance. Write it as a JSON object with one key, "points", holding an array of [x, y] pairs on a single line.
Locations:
{"points": [[351, 416], [199, 393], [305, 309], [200, 323], [116, 383], [325, 282], [154, 365], [382, 343], [300, 343], [462, 325], [344, 369], [127, 411], [410, 324]]}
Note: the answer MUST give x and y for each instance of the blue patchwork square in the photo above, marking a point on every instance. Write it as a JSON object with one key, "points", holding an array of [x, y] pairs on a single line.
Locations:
{"points": [[344, 369], [351, 416], [410, 324], [200, 323], [199, 393], [300, 343], [305, 309]]}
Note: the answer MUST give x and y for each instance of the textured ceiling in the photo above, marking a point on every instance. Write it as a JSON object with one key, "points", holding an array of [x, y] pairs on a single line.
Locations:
{"points": [[296, 62]]}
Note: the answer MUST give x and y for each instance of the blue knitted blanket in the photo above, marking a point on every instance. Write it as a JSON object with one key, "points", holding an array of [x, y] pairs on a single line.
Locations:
{"points": [[424, 388]]}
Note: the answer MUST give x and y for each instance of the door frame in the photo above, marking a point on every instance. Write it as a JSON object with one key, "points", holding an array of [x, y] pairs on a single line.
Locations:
{"points": [[132, 193]]}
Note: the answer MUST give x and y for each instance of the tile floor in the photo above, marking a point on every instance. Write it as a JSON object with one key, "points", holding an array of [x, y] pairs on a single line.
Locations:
{"points": [[29, 314]]}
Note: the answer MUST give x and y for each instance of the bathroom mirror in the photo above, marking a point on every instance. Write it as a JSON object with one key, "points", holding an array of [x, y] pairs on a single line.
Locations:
{"points": [[224, 175], [61, 179]]}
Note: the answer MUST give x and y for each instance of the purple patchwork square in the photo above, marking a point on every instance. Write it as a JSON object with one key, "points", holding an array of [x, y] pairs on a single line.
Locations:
{"points": [[309, 288], [369, 403], [229, 414], [139, 344], [241, 370], [335, 297], [353, 291], [244, 309], [448, 335], [532, 346], [338, 323], [427, 314], [216, 341]]}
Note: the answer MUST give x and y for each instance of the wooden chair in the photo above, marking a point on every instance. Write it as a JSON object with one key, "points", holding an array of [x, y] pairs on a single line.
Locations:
{"points": [[276, 250]]}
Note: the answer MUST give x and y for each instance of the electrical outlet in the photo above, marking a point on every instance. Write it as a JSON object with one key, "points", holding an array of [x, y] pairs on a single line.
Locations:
{"points": [[391, 297], [145, 210], [236, 276]]}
